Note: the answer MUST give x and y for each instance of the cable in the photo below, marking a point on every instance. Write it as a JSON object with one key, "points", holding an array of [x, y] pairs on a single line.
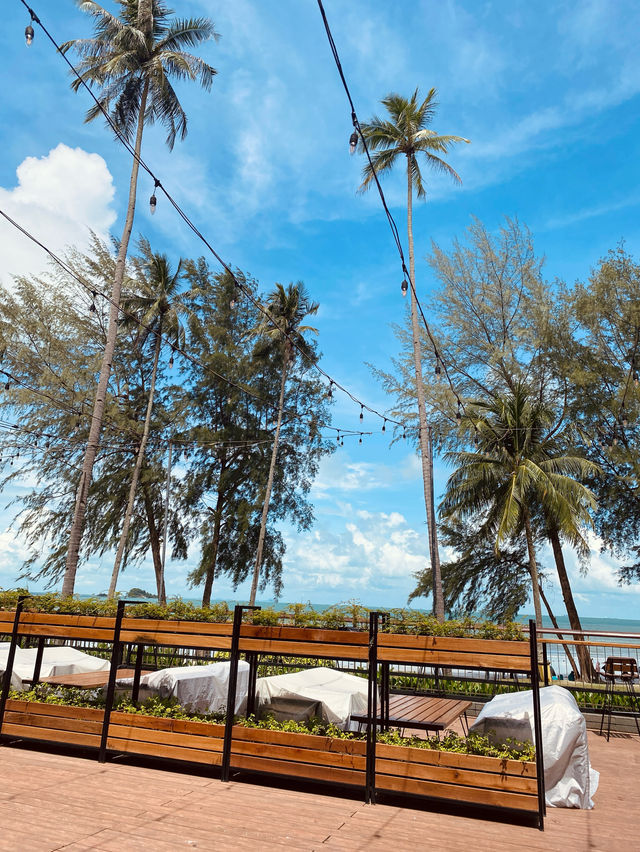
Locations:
{"points": [[158, 185]]}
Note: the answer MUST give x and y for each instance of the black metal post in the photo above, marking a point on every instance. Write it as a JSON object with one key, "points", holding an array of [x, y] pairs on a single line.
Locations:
{"points": [[6, 683], [231, 693], [116, 656], [253, 676], [545, 664], [372, 710], [137, 673], [537, 722], [38, 665]]}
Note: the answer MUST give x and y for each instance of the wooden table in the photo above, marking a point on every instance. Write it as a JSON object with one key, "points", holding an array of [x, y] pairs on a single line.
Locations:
{"points": [[88, 680], [420, 711]]}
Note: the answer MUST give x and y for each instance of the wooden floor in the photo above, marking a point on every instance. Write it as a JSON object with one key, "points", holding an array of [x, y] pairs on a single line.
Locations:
{"points": [[59, 801]]}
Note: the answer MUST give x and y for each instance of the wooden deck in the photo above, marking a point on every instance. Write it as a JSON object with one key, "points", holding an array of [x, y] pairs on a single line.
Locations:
{"points": [[60, 802]]}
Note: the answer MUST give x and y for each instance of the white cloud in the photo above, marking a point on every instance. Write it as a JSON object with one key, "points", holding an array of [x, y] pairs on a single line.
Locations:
{"points": [[370, 553], [58, 198]]}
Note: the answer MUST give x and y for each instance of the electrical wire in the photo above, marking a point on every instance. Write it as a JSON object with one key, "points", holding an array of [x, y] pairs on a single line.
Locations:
{"points": [[190, 224]]}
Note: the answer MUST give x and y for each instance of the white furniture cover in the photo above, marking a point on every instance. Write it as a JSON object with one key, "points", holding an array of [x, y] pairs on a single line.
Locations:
{"points": [[333, 695], [569, 779], [56, 660], [199, 689]]}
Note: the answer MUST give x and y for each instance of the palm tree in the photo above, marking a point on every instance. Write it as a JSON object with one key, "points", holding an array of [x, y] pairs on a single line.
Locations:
{"points": [[287, 308], [131, 58], [406, 132], [156, 311], [519, 472]]}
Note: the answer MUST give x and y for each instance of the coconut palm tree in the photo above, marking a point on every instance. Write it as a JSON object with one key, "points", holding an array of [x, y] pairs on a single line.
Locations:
{"points": [[155, 311], [519, 472], [284, 329], [406, 133], [131, 59]]}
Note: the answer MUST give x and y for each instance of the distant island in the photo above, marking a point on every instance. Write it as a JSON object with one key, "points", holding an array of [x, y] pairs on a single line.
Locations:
{"points": [[140, 593], [133, 593]]}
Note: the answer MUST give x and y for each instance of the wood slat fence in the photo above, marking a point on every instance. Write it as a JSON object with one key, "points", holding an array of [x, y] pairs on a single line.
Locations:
{"points": [[361, 763]]}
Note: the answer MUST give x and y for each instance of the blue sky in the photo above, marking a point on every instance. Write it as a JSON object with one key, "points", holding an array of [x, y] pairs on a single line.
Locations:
{"points": [[548, 94]]}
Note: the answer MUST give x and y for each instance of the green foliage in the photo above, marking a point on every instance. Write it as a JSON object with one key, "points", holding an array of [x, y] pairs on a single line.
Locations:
{"points": [[169, 709], [351, 616]]}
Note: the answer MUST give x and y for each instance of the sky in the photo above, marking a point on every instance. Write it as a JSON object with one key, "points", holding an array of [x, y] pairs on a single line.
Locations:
{"points": [[548, 94]]}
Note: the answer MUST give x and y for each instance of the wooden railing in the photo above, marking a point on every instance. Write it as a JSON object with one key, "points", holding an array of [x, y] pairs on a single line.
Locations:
{"points": [[367, 764]]}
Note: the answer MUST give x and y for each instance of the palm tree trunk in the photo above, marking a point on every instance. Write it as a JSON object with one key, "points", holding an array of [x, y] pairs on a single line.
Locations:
{"points": [[426, 455], [154, 539], [554, 621], [272, 468], [137, 468], [586, 665], [77, 526], [533, 568]]}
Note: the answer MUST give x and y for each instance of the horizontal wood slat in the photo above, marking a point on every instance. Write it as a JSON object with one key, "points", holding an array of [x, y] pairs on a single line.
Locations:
{"points": [[457, 793], [453, 659], [64, 710], [299, 755], [304, 634], [467, 777], [454, 643], [455, 759], [201, 628], [358, 747], [305, 649], [94, 634], [176, 640], [172, 738], [58, 723], [298, 770], [189, 755], [52, 735]]}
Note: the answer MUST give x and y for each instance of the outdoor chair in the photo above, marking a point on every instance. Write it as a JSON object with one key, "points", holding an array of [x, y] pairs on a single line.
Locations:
{"points": [[624, 670]]}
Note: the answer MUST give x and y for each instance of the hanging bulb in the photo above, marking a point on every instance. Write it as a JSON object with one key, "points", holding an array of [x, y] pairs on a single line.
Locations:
{"points": [[384, 425], [458, 414], [624, 419], [232, 304], [93, 308], [7, 386], [46, 446], [342, 442], [438, 368], [153, 201], [404, 433], [338, 437], [353, 142], [28, 35], [360, 441], [636, 378], [404, 287], [475, 439], [361, 412], [171, 360], [330, 391]]}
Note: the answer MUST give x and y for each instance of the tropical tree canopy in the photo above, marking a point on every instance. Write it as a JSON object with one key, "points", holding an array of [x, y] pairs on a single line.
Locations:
{"points": [[124, 61]]}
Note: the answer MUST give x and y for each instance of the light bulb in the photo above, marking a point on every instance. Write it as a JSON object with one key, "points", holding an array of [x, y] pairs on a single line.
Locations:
{"points": [[404, 287], [171, 361], [152, 203], [438, 368], [28, 35], [384, 425], [353, 142], [361, 412]]}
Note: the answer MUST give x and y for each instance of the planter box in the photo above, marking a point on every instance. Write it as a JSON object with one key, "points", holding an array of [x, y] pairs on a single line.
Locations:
{"points": [[468, 778], [58, 723]]}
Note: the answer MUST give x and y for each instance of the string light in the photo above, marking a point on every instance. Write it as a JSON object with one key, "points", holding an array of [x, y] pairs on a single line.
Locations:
{"points": [[157, 185], [361, 412], [360, 441], [171, 360], [438, 368], [153, 201], [458, 413], [330, 391], [384, 425], [404, 287], [353, 142], [28, 35]]}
